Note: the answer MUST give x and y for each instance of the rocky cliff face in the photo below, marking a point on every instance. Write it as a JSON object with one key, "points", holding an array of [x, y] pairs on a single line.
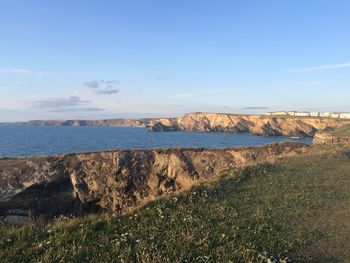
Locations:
{"points": [[255, 124], [116, 180], [108, 122], [329, 138]]}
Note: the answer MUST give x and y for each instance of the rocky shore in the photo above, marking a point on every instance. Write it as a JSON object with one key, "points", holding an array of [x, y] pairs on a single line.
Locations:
{"points": [[262, 125], [256, 124], [119, 180]]}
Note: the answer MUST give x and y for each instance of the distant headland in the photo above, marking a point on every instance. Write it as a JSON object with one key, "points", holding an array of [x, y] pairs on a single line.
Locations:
{"points": [[280, 123]]}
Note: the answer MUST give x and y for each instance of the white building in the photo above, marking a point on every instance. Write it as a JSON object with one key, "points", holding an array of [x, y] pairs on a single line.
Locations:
{"points": [[344, 115], [302, 114], [325, 114], [335, 115], [280, 113]]}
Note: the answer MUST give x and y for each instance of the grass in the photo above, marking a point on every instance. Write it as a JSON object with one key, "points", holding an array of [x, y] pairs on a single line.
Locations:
{"points": [[297, 209], [343, 131]]}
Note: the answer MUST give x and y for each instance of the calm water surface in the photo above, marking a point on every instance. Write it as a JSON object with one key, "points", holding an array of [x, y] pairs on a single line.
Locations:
{"points": [[43, 140]]}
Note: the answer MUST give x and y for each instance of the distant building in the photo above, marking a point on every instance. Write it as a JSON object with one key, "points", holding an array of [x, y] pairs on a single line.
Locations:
{"points": [[325, 114], [302, 114], [344, 115], [280, 113], [334, 115]]}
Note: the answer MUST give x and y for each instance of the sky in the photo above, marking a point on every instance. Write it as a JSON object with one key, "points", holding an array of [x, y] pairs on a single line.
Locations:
{"points": [[89, 59]]}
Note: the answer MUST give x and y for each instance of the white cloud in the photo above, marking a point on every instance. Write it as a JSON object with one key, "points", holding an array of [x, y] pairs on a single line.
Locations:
{"points": [[103, 87], [21, 71], [324, 67], [59, 102]]}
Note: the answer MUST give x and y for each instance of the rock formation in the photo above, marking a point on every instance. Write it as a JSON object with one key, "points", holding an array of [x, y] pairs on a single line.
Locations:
{"points": [[340, 135], [255, 124], [108, 122], [116, 180]]}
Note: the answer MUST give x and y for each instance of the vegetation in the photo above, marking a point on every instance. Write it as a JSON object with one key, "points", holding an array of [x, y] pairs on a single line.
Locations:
{"points": [[343, 131], [295, 210]]}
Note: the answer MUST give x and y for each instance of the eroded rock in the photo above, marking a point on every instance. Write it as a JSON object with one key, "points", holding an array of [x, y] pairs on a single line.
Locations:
{"points": [[117, 180]]}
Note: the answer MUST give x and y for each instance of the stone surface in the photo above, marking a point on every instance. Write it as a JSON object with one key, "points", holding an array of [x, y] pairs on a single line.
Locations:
{"points": [[118, 180], [255, 124]]}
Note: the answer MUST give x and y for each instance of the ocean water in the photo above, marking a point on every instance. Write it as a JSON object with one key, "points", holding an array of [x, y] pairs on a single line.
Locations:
{"points": [[44, 140]]}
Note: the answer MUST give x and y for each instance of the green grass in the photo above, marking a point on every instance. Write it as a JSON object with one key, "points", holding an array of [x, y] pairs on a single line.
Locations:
{"points": [[298, 209], [343, 131]]}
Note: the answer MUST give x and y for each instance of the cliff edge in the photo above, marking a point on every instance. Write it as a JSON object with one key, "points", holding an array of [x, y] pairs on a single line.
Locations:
{"points": [[255, 124], [117, 180]]}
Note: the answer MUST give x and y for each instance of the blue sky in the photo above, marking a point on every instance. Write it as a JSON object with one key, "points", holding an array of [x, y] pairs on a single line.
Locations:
{"points": [[104, 59]]}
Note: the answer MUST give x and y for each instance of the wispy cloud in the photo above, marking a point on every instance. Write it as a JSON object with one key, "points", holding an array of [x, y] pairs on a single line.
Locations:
{"points": [[161, 77], [70, 101], [255, 108], [92, 84], [21, 71], [107, 91], [103, 87], [323, 67], [77, 110]]}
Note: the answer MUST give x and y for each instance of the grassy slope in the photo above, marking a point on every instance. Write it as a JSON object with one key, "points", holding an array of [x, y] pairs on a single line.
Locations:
{"points": [[298, 208], [342, 131]]}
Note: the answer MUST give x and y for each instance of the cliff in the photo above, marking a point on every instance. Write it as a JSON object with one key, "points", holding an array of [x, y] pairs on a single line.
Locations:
{"points": [[255, 124], [107, 122], [340, 135], [215, 122], [118, 180]]}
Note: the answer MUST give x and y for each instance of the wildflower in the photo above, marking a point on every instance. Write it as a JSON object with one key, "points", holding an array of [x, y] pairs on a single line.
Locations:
{"points": [[40, 245], [137, 241], [48, 242], [9, 240], [49, 231], [223, 235], [81, 225]]}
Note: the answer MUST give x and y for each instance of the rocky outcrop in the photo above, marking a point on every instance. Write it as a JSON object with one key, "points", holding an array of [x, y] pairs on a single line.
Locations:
{"points": [[255, 124], [108, 122], [116, 180], [329, 138], [215, 122]]}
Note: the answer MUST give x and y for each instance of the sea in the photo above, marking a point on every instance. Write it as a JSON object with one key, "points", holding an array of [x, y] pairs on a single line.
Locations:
{"points": [[45, 140]]}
